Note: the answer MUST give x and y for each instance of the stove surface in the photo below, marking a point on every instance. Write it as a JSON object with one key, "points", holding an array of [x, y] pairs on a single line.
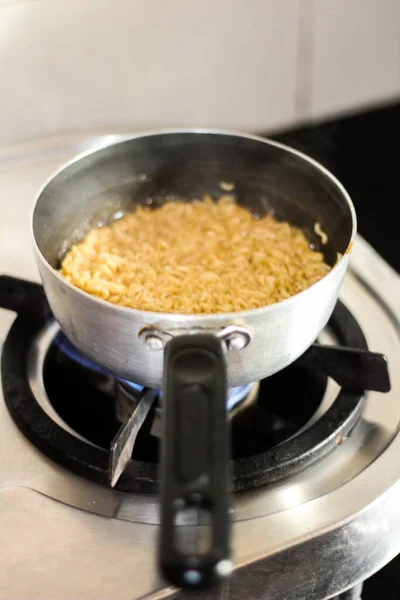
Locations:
{"points": [[310, 535]]}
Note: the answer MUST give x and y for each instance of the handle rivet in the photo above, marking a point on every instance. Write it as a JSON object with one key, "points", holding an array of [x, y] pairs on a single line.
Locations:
{"points": [[224, 568], [153, 342], [192, 577], [236, 342]]}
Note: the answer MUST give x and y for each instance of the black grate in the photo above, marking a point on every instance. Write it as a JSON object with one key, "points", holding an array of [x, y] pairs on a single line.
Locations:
{"points": [[268, 442]]}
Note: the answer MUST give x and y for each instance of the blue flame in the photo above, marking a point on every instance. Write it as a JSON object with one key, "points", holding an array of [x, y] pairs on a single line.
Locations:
{"points": [[235, 394]]}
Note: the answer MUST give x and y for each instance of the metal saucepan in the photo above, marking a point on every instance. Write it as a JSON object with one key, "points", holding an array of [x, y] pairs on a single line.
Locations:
{"points": [[193, 358]]}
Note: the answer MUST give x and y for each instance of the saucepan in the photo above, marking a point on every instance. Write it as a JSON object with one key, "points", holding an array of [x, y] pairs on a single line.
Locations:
{"points": [[194, 359]]}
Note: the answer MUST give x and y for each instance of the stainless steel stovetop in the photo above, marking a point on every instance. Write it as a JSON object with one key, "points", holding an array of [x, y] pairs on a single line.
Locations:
{"points": [[309, 536]]}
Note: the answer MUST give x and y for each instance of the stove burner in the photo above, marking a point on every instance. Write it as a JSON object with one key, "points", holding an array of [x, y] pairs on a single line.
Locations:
{"points": [[280, 434], [235, 395], [288, 428]]}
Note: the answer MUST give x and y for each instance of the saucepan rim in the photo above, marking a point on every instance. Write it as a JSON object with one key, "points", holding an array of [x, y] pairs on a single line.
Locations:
{"points": [[196, 318]]}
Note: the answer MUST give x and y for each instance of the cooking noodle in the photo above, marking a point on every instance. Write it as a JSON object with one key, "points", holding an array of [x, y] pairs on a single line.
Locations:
{"points": [[198, 257]]}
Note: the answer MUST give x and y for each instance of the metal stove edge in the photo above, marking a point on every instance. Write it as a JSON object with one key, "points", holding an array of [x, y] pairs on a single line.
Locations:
{"points": [[358, 512]]}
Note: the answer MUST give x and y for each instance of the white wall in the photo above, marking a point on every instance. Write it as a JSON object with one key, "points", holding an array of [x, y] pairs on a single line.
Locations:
{"points": [[243, 64], [356, 54]]}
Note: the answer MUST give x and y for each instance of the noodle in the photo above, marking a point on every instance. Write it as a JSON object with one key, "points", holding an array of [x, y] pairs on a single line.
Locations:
{"points": [[197, 257]]}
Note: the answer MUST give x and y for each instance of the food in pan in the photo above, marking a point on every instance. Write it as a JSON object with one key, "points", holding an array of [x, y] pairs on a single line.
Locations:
{"points": [[197, 257]]}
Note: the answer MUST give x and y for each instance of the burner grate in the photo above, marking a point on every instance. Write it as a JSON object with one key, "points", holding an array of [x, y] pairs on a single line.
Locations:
{"points": [[256, 461]]}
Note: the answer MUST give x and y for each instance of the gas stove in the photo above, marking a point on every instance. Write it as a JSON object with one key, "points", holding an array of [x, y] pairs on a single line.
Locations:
{"points": [[315, 468]]}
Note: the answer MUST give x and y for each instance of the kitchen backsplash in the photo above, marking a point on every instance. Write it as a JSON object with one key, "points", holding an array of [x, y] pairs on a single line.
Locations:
{"points": [[255, 65]]}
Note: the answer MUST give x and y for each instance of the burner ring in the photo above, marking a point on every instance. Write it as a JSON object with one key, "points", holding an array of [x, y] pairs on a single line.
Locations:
{"points": [[91, 461]]}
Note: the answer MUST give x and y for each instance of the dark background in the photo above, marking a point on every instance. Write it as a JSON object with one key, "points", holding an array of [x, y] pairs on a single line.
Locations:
{"points": [[363, 152]]}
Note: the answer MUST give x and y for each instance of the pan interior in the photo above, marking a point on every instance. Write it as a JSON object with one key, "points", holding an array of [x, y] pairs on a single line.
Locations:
{"points": [[106, 184]]}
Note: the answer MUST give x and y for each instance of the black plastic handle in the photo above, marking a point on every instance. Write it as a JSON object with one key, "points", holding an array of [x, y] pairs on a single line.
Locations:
{"points": [[195, 471]]}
